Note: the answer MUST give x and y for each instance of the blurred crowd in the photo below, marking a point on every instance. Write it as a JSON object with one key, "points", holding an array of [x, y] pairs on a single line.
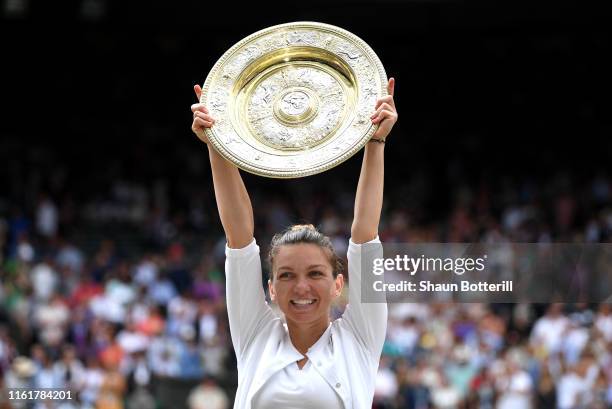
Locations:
{"points": [[119, 297], [497, 356], [111, 252]]}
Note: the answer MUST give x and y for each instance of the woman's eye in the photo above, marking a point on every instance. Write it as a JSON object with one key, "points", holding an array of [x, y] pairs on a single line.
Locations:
{"points": [[283, 275], [316, 273]]}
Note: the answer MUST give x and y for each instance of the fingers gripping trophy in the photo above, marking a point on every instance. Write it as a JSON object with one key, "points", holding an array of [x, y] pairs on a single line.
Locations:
{"points": [[290, 101]]}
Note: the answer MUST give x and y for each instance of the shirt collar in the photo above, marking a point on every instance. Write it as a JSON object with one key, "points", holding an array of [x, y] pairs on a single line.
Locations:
{"points": [[324, 340]]}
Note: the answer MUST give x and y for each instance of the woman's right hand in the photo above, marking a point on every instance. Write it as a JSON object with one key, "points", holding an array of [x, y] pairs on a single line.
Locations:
{"points": [[201, 117]]}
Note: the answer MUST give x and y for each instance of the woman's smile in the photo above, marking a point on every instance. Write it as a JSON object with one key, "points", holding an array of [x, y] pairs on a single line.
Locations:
{"points": [[303, 304]]}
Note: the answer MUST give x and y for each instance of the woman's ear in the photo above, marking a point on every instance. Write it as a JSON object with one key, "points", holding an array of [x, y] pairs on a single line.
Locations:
{"points": [[271, 290], [339, 285]]}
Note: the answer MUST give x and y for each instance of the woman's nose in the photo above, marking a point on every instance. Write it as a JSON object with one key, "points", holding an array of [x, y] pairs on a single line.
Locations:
{"points": [[301, 285]]}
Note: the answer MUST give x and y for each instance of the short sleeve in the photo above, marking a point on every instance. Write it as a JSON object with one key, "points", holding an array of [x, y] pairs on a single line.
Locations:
{"points": [[367, 320], [247, 308]]}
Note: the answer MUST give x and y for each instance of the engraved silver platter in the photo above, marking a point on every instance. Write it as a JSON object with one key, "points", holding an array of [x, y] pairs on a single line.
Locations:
{"points": [[294, 99]]}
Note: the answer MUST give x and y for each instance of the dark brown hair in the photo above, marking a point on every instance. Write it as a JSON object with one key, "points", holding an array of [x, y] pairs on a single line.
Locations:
{"points": [[304, 233]]}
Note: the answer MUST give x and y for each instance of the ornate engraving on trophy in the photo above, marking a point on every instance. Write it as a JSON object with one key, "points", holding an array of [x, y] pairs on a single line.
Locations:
{"points": [[293, 99]]}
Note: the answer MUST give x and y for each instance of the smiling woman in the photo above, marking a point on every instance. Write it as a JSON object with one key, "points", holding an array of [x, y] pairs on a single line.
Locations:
{"points": [[304, 281], [311, 362]]}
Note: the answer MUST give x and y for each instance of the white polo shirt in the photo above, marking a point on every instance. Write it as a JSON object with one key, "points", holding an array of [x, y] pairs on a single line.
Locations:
{"points": [[345, 358], [292, 387]]}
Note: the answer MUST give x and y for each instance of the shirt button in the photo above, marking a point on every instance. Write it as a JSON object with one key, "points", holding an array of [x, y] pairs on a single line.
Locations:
{"points": [[338, 385]]}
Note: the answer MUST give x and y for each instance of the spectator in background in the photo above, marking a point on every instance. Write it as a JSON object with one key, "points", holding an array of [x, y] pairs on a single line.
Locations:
{"points": [[51, 320], [182, 312], [146, 271], [138, 372], [546, 391], [574, 387], [44, 280], [386, 387], [190, 355], [444, 395], [461, 369], [164, 356], [46, 377], [141, 399], [404, 336], [18, 230], [208, 395], [90, 384], [69, 256], [5, 402], [7, 349], [482, 390], [547, 333], [112, 389], [152, 323], [24, 249], [20, 376], [21, 373], [514, 387], [574, 340], [47, 218], [208, 322], [162, 290], [69, 368], [603, 322], [130, 340]]}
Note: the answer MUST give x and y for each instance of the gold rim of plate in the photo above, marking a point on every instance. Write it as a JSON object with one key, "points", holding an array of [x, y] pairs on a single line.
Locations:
{"points": [[294, 99]]}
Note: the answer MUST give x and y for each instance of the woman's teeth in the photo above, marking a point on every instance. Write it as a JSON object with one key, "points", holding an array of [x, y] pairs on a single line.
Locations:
{"points": [[303, 302]]}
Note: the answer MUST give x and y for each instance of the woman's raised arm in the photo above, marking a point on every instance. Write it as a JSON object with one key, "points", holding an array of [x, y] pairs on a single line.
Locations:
{"points": [[233, 200], [369, 196]]}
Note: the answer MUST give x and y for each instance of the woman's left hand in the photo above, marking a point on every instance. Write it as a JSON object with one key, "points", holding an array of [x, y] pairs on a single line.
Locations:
{"points": [[386, 114]]}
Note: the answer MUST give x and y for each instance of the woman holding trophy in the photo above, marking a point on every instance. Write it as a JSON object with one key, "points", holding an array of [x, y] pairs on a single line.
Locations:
{"points": [[307, 360], [311, 362]]}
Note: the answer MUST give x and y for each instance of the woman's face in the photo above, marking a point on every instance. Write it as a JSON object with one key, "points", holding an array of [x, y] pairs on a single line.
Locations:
{"points": [[303, 285]]}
